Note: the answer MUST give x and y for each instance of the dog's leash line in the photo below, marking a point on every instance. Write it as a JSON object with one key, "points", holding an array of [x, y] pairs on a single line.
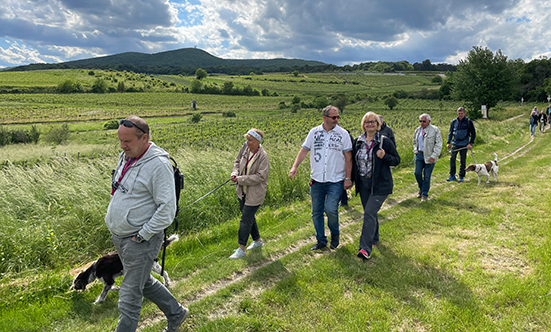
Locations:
{"points": [[205, 195]]}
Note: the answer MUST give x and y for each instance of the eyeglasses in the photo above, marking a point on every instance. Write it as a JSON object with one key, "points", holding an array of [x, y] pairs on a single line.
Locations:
{"points": [[130, 124], [370, 122], [422, 120], [335, 117]]}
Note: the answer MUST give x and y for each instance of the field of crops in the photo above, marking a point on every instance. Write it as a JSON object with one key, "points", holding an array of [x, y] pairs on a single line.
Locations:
{"points": [[209, 145]]}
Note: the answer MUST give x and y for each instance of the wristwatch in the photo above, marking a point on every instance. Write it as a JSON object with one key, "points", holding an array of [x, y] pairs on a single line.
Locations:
{"points": [[138, 238], [348, 179]]}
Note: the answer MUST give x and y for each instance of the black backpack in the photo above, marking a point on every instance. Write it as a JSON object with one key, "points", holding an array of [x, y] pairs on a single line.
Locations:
{"points": [[179, 186]]}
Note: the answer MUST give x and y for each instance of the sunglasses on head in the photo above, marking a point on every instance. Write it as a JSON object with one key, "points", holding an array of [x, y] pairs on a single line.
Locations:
{"points": [[130, 124]]}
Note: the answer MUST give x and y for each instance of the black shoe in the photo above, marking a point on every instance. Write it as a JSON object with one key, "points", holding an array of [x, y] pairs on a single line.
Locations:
{"points": [[318, 246], [334, 241]]}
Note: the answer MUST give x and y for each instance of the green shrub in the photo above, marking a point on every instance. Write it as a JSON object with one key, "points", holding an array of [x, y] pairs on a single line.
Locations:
{"points": [[195, 118], [111, 124], [57, 134], [69, 86], [228, 114]]}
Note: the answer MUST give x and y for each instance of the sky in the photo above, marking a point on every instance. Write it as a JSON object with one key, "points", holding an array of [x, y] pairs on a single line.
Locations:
{"points": [[338, 32]]}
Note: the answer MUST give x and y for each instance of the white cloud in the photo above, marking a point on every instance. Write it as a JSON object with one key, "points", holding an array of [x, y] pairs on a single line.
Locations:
{"points": [[334, 31]]}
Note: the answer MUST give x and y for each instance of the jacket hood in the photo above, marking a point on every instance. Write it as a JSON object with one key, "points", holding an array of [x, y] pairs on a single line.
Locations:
{"points": [[152, 152]]}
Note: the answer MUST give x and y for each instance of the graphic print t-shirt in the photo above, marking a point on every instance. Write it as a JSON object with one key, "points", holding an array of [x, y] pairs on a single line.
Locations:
{"points": [[327, 161]]}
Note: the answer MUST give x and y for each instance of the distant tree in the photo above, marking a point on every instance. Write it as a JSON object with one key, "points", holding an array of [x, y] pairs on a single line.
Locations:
{"points": [[200, 73], [341, 102], [296, 100], [57, 134], [120, 87], [196, 87], [320, 102], [99, 86], [265, 92], [227, 88], [444, 93], [296, 73], [391, 102], [483, 78], [33, 135], [69, 86], [437, 79]]}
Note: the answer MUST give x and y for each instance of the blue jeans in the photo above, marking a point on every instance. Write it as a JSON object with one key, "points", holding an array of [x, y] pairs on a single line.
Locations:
{"points": [[325, 199], [423, 172], [137, 261], [533, 129]]}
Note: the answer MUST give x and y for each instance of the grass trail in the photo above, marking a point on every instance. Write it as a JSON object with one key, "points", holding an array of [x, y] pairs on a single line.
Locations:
{"points": [[472, 258]]}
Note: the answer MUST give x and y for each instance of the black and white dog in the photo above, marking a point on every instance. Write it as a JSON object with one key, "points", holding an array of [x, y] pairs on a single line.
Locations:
{"points": [[486, 169], [109, 267]]}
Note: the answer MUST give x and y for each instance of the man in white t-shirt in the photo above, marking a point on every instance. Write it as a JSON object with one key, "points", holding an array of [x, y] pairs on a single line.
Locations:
{"points": [[330, 171]]}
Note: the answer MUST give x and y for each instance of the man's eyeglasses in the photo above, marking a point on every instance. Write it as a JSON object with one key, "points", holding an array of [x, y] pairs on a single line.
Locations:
{"points": [[130, 124], [422, 120], [335, 117]]}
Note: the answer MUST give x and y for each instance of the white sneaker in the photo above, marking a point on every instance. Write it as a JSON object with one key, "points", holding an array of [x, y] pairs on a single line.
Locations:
{"points": [[238, 254], [255, 244]]}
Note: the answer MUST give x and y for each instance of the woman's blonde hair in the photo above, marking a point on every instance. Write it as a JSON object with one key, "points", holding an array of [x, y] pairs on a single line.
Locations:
{"points": [[377, 118]]}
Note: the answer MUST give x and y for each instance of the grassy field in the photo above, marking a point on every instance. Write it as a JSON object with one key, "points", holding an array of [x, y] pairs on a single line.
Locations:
{"points": [[473, 258]]}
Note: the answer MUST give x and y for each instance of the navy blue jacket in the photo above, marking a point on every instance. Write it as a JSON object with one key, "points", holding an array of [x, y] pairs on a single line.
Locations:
{"points": [[463, 132]]}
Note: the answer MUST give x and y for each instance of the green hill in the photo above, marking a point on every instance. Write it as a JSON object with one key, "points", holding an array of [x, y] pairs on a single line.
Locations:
{"points": [[187, 59]]}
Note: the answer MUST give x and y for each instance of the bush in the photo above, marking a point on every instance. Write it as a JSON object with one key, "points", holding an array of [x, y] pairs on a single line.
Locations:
{"points": [[282, 105], [228, 114], [99, 86], [437, 80], [57, 134], [295, 108], [33, 135], [19, 136], [196, 117], [69, 86], [391, 102], [111, 124]]}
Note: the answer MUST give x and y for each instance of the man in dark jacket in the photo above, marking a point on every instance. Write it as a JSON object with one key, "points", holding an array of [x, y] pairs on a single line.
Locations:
{"points": [[387, 131], [463, 134]]}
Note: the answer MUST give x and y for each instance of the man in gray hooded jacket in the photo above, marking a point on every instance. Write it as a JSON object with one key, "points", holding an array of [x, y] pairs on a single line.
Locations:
{"points": [[143, 204]]}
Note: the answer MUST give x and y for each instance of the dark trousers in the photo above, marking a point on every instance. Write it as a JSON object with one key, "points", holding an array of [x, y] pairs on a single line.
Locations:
{"points": [[247, 225], [372, 204], [462, 160]]}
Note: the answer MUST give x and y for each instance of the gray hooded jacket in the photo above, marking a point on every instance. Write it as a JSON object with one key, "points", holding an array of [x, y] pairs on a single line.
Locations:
{"points": [[145, 201]]}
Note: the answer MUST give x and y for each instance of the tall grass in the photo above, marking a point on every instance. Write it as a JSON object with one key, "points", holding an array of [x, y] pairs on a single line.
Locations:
{"points": [[53, 208]]}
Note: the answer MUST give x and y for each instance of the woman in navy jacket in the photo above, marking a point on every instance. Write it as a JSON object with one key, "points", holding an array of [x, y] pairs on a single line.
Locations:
{"points": [[373, 155]]}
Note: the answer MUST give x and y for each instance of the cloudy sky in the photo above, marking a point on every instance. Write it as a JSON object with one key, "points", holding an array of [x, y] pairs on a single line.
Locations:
{"points": [[339, 32]]}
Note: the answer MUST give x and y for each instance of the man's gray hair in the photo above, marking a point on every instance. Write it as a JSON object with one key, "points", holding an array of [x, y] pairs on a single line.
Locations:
{"points": [[328, 109], [425, 115], [461, 108]]}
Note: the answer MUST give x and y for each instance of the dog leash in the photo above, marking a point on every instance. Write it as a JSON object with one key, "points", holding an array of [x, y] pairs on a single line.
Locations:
{"points": [[463, 148], [197, 200]]}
